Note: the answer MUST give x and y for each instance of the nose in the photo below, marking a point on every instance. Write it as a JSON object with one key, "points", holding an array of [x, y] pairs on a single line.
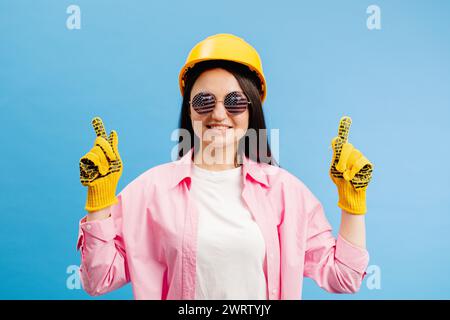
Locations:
{"points": [[219, 112]]}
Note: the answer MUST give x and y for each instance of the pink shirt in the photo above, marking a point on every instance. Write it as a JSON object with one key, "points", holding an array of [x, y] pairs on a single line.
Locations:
{"points": [[151, 237]]}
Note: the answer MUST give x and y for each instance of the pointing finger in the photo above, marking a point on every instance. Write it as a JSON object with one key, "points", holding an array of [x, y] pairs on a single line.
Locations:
{"points": [[99, 128], [344, 128]]}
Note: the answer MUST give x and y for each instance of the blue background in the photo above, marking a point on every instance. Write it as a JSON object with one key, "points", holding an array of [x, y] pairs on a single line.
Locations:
{"points": [[321, 62]]}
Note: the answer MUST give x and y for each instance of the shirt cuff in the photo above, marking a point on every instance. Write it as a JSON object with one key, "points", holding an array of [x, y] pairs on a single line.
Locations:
{"points": [[351, 255], [103, 230]]}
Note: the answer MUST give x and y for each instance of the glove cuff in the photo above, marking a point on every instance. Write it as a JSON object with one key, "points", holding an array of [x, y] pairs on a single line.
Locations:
{"points": [[101, 194], [350, 199]]}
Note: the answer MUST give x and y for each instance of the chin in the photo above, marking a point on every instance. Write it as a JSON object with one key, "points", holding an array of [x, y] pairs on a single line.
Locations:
{"points": [[219, 144]]}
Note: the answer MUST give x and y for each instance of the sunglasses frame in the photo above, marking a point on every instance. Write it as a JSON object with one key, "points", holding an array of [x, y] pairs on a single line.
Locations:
{"points": [[216, 101]]}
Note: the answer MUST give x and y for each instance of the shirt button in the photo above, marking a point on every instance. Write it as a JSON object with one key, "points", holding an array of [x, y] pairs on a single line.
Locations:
{"points": [[274, 291], [88, 227], [271, 256]]}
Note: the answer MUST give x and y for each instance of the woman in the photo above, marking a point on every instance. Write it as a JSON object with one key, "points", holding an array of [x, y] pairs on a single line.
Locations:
{"points": [[222, 221]]}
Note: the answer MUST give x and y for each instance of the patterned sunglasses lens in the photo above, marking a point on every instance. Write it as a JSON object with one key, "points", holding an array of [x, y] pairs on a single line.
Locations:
{"points": [[235, 102], [203, 102]]}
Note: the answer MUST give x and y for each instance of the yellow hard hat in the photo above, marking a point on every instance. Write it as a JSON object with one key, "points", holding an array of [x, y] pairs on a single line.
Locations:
{"points": [[224, 46]]}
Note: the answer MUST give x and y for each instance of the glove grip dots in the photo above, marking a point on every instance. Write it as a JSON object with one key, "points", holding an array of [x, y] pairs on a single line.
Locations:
{"points": [[101, 168], [350, 170]]}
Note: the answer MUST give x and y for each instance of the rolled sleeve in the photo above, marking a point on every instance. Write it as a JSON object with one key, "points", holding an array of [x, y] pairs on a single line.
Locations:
{"points": [[335, 264], [351, 255], [93, 232]]}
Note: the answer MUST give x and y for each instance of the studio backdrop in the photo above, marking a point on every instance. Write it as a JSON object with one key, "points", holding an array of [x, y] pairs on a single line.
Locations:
{"points": [[383, 63]]}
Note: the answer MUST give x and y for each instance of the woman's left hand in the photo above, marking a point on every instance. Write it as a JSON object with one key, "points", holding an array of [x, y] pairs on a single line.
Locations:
{"points": [[350, 170]]}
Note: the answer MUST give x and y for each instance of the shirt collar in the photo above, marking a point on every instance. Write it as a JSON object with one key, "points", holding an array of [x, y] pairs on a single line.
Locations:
{"points": [[183, 167]]}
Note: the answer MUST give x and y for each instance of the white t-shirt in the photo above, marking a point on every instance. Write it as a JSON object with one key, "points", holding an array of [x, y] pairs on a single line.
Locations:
{"points": [[231, 247]]}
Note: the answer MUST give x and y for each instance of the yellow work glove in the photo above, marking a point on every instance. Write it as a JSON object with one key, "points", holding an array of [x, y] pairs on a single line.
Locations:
{"points": [[101, 168], [350, 171]]}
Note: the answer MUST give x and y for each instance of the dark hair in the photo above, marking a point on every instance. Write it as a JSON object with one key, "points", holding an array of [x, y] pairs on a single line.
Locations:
{"points": [[250, 84]]}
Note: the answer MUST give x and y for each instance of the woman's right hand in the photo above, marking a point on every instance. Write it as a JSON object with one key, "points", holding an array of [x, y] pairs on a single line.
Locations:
{"points": [[101, 168]]}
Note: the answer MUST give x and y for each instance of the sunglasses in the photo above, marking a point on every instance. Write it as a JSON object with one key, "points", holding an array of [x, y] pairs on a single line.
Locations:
{"points": [[235, 102]]}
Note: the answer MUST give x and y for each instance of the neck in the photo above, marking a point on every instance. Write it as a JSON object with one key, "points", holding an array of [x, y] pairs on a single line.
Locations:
{"points": [[216, 159]]}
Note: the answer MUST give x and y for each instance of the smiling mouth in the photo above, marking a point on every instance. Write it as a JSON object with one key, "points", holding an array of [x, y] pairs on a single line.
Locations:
{"points": [[218, 127]]}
